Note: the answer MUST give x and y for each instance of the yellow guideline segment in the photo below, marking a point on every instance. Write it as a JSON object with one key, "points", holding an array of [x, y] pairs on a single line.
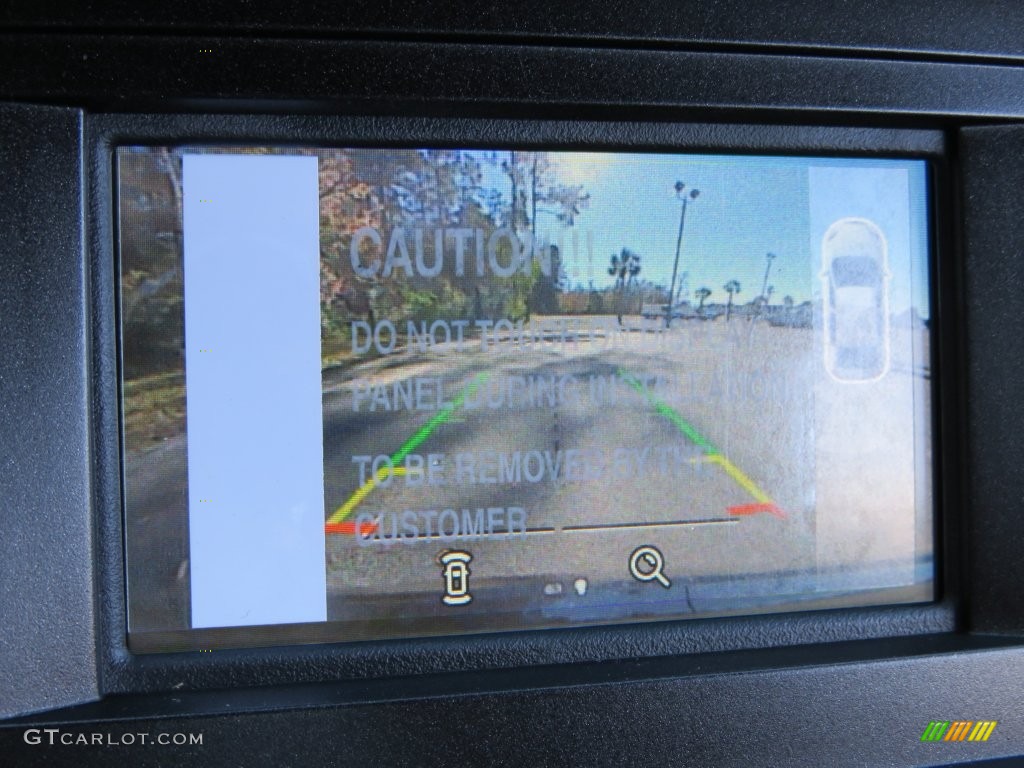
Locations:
{"points": [[343, 511], [737, 474]]}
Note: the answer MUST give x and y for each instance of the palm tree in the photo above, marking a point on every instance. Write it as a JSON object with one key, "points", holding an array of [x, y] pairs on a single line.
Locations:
{"points": [[625, 266], [702, 295], [732, 287], [619, 268], [633, 260]]}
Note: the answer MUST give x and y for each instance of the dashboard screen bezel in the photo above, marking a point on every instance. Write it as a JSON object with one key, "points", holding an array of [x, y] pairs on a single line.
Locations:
{"points": [[128, 670]]}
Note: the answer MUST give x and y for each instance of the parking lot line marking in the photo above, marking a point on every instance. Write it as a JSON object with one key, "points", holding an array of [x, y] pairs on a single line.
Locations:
{"points": [[666, 524], [495, 534], [421, 434]]}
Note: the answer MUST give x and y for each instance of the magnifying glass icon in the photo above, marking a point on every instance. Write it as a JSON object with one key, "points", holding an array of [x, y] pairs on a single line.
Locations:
{"points": [[646, 564]]}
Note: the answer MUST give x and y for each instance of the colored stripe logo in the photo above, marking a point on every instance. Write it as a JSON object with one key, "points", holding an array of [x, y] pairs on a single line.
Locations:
{"points": [[959, 730]]}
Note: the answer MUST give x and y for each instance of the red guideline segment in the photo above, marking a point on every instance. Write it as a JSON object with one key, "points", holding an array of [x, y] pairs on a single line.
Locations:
{"points": [[754, 509]]}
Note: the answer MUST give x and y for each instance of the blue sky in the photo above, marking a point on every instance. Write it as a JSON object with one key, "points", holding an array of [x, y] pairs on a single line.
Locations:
{"points": [[747, 207]]}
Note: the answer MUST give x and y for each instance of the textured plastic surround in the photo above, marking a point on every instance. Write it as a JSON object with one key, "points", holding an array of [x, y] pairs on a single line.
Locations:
{"points": [[565, 693]]}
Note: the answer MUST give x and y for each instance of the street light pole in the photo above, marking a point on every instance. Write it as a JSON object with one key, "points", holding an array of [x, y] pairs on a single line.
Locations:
{"points": [[679, 241], [764, 286], [762, 304]]}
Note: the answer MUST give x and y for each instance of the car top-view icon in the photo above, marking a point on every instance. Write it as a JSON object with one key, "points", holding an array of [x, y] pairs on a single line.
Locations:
{"points": [[855, 273]]}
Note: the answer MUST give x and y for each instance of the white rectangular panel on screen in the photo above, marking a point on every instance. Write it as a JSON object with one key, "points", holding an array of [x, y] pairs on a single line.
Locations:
{"points": [[252, 361]]}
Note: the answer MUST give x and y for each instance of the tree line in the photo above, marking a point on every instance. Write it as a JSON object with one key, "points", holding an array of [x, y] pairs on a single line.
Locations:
{"points": [[520, 191]]}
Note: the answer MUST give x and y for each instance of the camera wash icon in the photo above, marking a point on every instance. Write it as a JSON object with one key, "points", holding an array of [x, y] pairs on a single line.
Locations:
{"points": [[455, 572], [959, 730]]}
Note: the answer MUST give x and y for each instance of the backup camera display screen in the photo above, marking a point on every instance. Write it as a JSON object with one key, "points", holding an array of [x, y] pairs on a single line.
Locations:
{"points": [[374, 393]]}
